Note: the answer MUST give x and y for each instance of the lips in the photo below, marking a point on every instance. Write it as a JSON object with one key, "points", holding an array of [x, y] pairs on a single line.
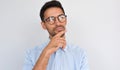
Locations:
{"points": [[58, 29]]}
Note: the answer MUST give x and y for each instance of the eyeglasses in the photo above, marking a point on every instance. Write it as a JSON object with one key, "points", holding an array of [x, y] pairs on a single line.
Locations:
{"points": [[51, 20]]}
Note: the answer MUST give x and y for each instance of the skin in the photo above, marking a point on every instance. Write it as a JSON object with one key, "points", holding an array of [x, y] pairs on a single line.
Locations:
{"points": [[56, 41]]}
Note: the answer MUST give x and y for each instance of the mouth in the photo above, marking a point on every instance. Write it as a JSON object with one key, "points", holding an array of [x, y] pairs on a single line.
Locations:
{"points": [[59, 29]]}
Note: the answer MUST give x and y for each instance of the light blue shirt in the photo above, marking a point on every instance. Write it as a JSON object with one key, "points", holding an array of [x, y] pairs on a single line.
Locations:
{"points": [[71, 58]]}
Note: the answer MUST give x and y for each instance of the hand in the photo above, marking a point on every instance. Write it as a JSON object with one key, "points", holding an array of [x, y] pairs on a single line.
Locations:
{"points": [[56, 42]]}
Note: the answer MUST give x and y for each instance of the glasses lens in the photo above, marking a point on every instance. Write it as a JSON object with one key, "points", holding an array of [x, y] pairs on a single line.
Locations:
{"points": [[62, 18], [50, 20]]}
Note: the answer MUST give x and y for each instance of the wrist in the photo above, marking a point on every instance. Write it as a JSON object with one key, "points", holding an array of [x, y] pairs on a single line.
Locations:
{"points": [[46, 53]]}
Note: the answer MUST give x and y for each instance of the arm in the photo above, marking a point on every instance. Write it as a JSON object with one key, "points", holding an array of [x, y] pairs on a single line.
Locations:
{"points": [[53, 45]]}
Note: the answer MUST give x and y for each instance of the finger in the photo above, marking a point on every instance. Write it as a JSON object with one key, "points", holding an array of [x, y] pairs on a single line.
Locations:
{"points": [[57, 47], [64, 45], [60, 45], [62, 38], [60, 34]]}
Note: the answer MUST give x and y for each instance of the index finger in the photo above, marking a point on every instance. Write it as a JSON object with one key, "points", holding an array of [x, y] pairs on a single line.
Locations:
{"points": [[60, 33]]}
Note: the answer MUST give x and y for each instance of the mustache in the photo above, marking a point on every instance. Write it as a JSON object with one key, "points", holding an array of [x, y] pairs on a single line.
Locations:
{"points": [[59, 26]]}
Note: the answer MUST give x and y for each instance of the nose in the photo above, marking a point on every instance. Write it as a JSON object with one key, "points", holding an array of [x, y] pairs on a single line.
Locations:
{"points": [[57, 21]]}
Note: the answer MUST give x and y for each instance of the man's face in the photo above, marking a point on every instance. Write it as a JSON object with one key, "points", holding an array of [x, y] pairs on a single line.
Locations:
{"points": [[55, 20]]}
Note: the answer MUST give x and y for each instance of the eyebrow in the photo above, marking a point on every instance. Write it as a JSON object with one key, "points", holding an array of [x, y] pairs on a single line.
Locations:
{"points": [[56, 16]]}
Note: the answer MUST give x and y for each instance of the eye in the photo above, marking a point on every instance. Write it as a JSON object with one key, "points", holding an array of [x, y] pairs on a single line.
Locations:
{"points": [[49, 19], [62, 16]]}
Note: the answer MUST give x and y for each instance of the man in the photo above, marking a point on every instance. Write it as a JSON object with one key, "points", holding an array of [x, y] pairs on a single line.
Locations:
{"points": [[56, 53]]}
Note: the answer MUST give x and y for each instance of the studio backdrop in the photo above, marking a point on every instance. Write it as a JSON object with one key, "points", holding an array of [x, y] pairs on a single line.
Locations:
{"points": [[92, 24]]}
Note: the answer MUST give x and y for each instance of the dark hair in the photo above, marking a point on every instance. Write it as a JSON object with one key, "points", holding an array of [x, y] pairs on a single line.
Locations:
{"points": [[50, 4]]}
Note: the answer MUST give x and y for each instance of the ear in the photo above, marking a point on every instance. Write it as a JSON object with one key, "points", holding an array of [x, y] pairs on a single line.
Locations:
{"points": [[43, 25]]}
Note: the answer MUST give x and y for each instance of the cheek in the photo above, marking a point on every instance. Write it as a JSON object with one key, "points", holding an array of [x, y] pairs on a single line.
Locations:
{"points": [[50, 28], [65, 22]]}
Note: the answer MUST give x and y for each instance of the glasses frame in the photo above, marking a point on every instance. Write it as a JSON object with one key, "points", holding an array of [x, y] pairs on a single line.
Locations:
{"points": [[54, 19]]}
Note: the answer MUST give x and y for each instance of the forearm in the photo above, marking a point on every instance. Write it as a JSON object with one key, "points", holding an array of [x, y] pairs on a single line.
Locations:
{"points": [[42, 61]]}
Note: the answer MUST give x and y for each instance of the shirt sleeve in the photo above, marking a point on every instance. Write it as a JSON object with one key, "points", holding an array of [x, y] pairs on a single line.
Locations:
{"points": [[84, 63], [28, 65]]}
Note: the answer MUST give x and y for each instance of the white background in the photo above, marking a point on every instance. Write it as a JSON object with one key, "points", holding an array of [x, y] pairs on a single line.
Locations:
{"points": [[92, 24]]}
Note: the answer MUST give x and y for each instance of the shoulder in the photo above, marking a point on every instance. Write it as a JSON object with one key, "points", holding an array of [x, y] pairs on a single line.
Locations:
{"points": [[78, 53], [76, 50], [32, 54], [35, 51]]}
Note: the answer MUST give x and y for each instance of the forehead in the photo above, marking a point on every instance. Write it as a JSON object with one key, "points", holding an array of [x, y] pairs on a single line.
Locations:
{"points": [[53, 11]]}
